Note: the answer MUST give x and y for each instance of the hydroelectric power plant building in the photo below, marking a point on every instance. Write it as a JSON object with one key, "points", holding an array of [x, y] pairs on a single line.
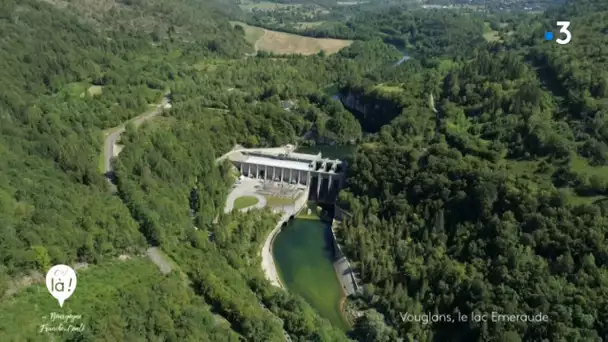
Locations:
{"points": [[323, 176]]}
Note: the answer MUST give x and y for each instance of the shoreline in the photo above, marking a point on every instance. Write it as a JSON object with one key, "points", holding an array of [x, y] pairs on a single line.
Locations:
{"points": [[343, 300], [338, 272], [268, 265], [344, 296], [272, 273]]}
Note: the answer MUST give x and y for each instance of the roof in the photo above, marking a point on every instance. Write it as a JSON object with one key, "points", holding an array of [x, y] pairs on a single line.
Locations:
{"points": [[289, 164]]}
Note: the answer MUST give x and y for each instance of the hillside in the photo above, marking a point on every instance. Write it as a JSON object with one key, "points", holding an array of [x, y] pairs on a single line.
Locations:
{"points": [[479, 181], [57, 208], [492, 196]]}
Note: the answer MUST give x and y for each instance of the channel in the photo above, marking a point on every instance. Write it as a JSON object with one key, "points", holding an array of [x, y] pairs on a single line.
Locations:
{"points": [[304, 254]]}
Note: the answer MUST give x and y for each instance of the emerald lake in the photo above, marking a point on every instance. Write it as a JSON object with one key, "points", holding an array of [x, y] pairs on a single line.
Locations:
{"points": [[329, 151], [303, 254]]}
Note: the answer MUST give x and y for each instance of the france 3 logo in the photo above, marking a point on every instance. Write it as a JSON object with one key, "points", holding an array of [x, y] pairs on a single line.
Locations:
{"points": [[563, 30]]}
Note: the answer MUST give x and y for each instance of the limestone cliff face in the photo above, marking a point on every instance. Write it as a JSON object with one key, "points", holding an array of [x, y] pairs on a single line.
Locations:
{"points": [[359, 102], [372, 109]]}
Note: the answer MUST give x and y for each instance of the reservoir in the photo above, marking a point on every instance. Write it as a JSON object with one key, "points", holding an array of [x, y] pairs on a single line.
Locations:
{"points": [[303, 254], [329, 151]]}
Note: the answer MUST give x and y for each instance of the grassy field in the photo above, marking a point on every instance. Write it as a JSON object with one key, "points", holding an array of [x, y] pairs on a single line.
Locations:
{"points": [[82, 88], [94, 90], [580, 165], [578, 200], [287, 43], [277, 201], [75, 88], [490, 35], [244, 202], [528, 168], [386, 89]]}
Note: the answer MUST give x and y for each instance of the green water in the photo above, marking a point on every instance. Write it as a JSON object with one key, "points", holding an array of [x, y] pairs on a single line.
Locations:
{"points": [[329, 151], [303, 254]]}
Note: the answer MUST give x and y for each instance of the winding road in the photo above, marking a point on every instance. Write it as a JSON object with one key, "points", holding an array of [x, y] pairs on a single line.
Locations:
{"points": [[110, 142], [109, 152], [154, 253]]}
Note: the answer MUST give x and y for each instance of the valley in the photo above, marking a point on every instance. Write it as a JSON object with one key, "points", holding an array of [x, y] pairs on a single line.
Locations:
{"points": [[476, 157]]}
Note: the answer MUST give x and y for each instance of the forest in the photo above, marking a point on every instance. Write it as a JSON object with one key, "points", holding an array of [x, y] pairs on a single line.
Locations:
{"points": [[478, 184], [493, 197], [417, 31]]}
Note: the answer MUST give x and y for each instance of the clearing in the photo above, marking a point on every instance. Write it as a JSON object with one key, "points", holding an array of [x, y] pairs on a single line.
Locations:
{"points": [[94, 90], [490, 35], [287, 43], [531, 169]]}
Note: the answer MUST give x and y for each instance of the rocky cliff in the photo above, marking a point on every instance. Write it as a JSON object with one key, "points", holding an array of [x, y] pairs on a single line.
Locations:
{"points": [[372, 108]]}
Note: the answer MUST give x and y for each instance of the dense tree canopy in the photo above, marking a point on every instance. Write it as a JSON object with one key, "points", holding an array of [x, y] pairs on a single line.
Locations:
{"points": [[479, 183], [502, 207]]}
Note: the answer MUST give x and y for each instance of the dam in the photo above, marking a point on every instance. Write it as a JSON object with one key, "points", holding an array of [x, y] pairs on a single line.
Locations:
{"points": [[301, 253], [323, 176]]}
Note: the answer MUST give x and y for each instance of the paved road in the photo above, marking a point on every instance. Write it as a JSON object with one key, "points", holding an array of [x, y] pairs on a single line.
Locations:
{"points": [[112, 138], [153, 253], [236, 147], [346, 274], [268, 265]]}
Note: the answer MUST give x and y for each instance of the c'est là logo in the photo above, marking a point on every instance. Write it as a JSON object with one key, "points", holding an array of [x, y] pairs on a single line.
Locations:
{"points": [[61, 282]]}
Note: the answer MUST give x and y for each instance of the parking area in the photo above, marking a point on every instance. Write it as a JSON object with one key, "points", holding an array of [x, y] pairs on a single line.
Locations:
{"points": [[268, 193], [270, 188]]}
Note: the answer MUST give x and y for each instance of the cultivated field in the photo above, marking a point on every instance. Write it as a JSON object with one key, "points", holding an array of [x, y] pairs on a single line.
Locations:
{"points": [[249, 6], [286, 43]]}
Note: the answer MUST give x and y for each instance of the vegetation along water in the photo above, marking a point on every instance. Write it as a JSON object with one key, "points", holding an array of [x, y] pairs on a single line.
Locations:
{"points": [[479, 181]]}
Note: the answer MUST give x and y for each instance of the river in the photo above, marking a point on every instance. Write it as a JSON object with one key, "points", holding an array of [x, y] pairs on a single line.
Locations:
{"points": [[329, 151], [303, 254], [403, 59]]}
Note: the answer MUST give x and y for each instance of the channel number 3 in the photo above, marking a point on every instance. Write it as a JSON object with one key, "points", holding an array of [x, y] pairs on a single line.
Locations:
{"points": [[564, 30]]}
